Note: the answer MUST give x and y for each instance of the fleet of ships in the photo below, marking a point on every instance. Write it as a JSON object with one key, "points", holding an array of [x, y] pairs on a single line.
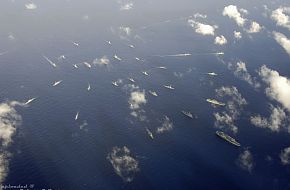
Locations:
{"points": [[188, 114]]}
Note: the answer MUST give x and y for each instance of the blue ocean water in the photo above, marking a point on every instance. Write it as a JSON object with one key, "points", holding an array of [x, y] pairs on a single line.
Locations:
{"points": [[51, 150]]}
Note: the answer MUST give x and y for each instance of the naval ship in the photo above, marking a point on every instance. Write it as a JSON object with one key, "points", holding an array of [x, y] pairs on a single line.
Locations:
{"points": [[227, 138]]}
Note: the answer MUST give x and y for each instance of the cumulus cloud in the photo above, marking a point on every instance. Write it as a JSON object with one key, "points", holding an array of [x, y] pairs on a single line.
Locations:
{"points": [[11, 37], [281, 17], [85, 17], [182, 74], [254, 27], [246, 161], [9, 121], [125, 30], [220, 40], [238, 35], [224, 118], [102, 61], [199, 15], [4, 162], [84, 125], [126, 5], [30, 6], [123, 163], [240, 71], [283, 41], [244, 11], [166, 126], [232, 12], [136, 100], [202, 28], [285, 156], [233, 108], [278, 86], [275, 122]]}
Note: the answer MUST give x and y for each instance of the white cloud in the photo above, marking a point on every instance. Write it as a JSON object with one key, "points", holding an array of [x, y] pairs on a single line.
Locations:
{"points": [[232, 12], [245, 160], [283, 41], [137, 98], [233, 108], [238, 35], [102, 61], [285, 156], [202, 28], [30, 6], [244, 11], [125, 5], [254, 28], [166, 126], [274, 122], [11, 37], [240, 71], [224, 118], [278, 86], [281, 18], [220, 40], [4, 162], [85, 17], [199, 15], [84, 125], [182, 74], [125, 30], [123, 163], [9, 121]]}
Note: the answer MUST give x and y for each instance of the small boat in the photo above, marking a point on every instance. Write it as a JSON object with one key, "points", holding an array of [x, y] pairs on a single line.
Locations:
{"points": [[61, 57], [89, 87], [169, 87], [145, 73], [76, 44], [132, 80], [87, 64], [75, 66], [138, 59], [215, 102], [149, 133], [153, 93], [57, 83], [188, 114], [161, 67], [49, 61], [227, 138], [77, 116], [212, 74], [117, 58], [29, 101], [131, 46], [109, 42], [115, 83]]}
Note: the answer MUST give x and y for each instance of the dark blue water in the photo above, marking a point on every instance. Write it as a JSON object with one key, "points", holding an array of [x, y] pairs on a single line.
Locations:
{"points": [[51, 150]]}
